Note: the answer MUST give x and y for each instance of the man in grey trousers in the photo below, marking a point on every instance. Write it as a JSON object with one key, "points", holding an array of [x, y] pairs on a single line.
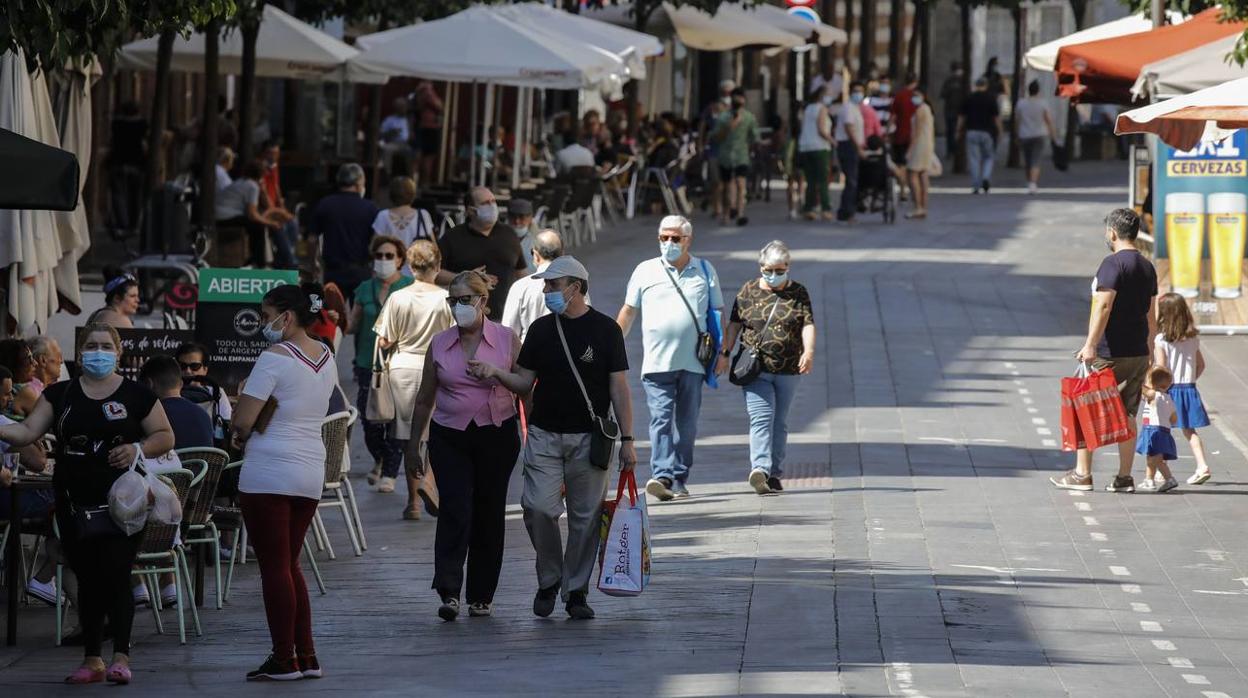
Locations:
{"points": [[556, 454]]}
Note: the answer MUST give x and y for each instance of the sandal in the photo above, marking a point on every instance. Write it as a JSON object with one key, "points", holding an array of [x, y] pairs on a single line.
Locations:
{"points": [[85, 674], [119, 674], [411, 514], [1199, 477]]}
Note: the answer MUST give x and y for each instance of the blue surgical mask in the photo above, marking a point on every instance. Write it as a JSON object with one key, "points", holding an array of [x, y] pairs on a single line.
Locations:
{"points": [[916, 100], [670, 250], [885, 88], [271, 334], [856, 97], [775, 280], [99, 364], [555, 302]]}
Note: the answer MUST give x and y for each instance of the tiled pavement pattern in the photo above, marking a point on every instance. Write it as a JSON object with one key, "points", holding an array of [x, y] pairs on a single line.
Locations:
{"points": [[919, 550]]}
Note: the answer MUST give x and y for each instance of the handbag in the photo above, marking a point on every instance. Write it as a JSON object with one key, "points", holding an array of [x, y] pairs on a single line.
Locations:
{"points": [[745, 365], [705, 347], [1092, 413], [605, 431], [624, 553], [380, 407], [94, 522]]}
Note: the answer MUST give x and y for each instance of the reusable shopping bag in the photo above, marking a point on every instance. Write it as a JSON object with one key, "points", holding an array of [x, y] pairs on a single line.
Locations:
{"points": [[165, 507], [624, 556], [1092, 413], [380, 407]]}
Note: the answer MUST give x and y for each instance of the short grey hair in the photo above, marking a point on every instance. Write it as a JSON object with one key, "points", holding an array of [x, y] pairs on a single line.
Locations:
{"points": [[349, 174], [40, 345], [676, 223], [548, 245], [774, 252]]}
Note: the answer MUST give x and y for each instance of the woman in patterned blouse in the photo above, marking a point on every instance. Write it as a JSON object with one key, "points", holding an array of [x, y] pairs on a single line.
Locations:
{"points": [[772, 315]]}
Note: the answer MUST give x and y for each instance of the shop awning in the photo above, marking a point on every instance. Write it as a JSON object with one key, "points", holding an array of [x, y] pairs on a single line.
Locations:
{"points": [[732, 26], [1105, 70], [1044, 56], [1198, 69], [1183, 122]]}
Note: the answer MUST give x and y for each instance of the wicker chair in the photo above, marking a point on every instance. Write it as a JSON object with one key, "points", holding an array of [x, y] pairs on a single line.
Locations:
{"points": [[334, 432], [198, 528], [160, 552]]}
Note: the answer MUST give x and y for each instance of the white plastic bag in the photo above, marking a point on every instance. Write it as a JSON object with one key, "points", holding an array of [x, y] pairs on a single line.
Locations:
{"points": [[625, 555], [166, 509], [127, 499]]}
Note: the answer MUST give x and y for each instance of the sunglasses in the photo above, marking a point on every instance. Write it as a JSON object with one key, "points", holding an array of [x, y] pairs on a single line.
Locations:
{"points": [[193, 366], [461, 300], [385, 255], [671, 238], [774, 270]]}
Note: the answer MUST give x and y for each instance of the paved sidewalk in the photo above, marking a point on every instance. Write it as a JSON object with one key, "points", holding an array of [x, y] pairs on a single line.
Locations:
{"points": [[917, 551]]}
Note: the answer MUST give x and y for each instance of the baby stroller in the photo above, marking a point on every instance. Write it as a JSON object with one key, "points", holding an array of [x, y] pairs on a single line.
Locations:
{"points": [[877, 189]]}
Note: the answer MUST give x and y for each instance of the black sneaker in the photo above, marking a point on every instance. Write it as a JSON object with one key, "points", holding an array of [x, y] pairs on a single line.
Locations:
{"points": [[309, 667], [577, 607], [449, 610], [987, 186], [275, 669], [774, 484], [743, 220], [1121, 483], [544, 602]]}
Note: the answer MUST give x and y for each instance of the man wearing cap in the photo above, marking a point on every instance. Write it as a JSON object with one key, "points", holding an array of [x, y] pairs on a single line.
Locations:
{"points": [[556, 453], [520, 216], [483, 244], [344, 222], [673, 292]]}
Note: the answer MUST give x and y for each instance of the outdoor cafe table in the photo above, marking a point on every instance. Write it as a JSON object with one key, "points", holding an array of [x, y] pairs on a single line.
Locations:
{"points": [[12, 556]]}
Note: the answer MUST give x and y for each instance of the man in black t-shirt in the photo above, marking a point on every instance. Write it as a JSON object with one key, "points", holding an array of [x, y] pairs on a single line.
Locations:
{"points": [[979, 125], [1121, 329], [556, 454], [192, 427], [485, 245]]}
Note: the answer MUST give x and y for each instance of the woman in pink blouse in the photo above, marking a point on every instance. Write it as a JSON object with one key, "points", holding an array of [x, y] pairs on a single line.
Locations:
{"points": [[473, 443]]}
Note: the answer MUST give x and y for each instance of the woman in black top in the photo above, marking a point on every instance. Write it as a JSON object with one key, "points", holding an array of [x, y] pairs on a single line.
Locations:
{"points": [[772, 315], [100, 421]]}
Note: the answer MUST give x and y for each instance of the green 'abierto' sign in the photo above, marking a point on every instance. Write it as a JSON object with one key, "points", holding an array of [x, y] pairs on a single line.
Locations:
{"points": [[226, 285]]}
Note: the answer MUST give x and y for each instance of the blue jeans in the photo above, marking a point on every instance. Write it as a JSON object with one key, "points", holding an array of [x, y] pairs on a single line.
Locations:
{"points": [[284, 241], [847, 154], [767, 402], [674, 399], [980, 150]]}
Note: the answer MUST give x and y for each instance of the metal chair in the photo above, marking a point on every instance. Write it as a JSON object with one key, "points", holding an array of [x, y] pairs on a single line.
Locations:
{"points": [[349, 491], [161, 552], [334, 431], [198, 528]]}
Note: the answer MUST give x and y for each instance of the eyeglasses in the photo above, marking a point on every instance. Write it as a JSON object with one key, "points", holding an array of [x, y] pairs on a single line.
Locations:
{"points": [[671, 238], [191, 366], [461, 300], [774, 270], [385, 255]]}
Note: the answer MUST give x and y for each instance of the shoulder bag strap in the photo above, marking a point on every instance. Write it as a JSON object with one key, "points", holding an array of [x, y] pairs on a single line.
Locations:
{"points": [[589, 404], [692, 315]]}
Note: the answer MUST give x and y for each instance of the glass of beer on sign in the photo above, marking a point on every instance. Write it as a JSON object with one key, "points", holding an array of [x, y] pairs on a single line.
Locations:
{"points": [[1228, 224], [1185, 241]]}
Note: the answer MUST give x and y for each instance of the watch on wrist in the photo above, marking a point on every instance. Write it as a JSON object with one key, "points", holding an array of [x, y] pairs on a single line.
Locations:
{"points": [[626, 438], [726, 353]]}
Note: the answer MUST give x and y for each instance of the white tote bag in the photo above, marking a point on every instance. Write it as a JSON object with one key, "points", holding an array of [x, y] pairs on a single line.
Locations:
{"points": [[625, 554]]}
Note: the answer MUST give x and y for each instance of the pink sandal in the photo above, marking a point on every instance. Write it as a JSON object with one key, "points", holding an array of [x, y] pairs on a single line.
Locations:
{"points": [[85, 674], [118, 674]]}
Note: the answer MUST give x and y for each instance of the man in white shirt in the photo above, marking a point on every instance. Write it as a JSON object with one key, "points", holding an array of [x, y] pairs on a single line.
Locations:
{"points": [[526, 300], [225, 163], [573, 154], [849, 144]]}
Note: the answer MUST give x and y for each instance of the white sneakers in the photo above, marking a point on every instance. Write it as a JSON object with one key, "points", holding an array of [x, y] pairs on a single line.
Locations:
{"points": [[758, 480], [386, 486], [1200, 477]]}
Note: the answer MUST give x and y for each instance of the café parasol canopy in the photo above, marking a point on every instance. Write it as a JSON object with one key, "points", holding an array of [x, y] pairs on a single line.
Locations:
{"points": [[1183, 122], [1044, 56], [632, 47], [732, 26], [1187, 72], [1105, 70]]}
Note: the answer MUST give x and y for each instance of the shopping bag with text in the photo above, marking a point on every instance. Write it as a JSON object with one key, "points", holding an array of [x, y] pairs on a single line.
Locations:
{"points": [[625, 553], [1098, 405]]}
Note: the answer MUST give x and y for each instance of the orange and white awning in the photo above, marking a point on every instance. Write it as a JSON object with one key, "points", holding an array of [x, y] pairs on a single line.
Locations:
{"points": [[1183, 122]]}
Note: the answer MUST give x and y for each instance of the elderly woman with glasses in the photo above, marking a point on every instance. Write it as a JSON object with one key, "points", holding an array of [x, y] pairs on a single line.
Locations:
{"points": [[370, 296], [772, 317]]}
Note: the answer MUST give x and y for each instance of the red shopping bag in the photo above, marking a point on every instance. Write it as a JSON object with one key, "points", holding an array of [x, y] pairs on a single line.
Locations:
{"points": [[1100, 419]]}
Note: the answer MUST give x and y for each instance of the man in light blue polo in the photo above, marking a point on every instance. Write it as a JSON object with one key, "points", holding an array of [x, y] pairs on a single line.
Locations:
{"points": [[670, 371]]}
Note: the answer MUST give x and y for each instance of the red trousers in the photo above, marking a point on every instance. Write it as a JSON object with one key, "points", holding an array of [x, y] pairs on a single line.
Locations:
{"points": [[276, 525]]}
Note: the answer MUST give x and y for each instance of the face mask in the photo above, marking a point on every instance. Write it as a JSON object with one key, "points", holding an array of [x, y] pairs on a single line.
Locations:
{"points": [[856, 98], [775, 280], [385, 268], [726, 100], [98, 364], [885, 89], [828, 101], [487, 214], [556, 302], [916, 100], [465, 315], [272, 335], [670, 250]]}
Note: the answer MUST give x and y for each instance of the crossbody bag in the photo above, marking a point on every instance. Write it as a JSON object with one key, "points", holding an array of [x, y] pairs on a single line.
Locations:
{"points": [[745, 365], [605, 432], [90, 522], [705, 347]]}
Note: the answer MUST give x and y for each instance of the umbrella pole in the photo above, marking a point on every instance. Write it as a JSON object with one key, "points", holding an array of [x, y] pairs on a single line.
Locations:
{"points": [[517, 138], [487, 121], [448, 107], [472, 128], [496, 122]]}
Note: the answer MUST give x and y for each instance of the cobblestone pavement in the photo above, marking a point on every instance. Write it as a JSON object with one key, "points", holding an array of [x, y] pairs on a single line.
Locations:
{"points": [[918, 549]]}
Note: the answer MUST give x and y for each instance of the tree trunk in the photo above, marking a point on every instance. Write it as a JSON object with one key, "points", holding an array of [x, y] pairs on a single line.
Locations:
{"points": [[152, 178], [959, 160], [1078, 7], [1016, 89], [827, 9], [923, 17], [372, 133], [912, 47], [849, 33], [247, 87], [866, 50], [208, 125], [896, 38]]}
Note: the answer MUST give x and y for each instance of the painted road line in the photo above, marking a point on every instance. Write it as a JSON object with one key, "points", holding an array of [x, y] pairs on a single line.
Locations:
{"points": [[1214, 555], [1038, 421], [1028, 401], [1215, 694], [1119, 571], [1151, 626], [1024, 391], [1044, 431], [1141, 607], [1032, 410], [1076, 493], [1098, 536], [1083, 506], [1180, 662], [1131, 589], [1090, 521], [1164, 645], [1196, 679], [1049, 443]]}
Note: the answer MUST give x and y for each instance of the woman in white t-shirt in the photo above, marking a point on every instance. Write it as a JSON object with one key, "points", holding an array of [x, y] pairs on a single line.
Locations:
{"points": [[283, 471], [1033, 124], [402, 220]]}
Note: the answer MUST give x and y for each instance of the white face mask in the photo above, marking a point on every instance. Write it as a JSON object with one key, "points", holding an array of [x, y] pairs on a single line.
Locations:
{"points": [[385, 268], [465, 315], [487, 214]]}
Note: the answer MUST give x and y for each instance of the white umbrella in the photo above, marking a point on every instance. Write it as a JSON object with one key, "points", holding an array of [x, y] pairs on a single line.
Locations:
{"points": [[732, 26], [74, 126], [479, 44], [1183, 122], [825, 34], [1044, 56], [631, 46], [285, 48], [1200, 68]]}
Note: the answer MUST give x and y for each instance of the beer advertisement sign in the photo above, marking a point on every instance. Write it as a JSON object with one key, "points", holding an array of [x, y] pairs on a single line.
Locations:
{"points": [[1200, 218]]}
